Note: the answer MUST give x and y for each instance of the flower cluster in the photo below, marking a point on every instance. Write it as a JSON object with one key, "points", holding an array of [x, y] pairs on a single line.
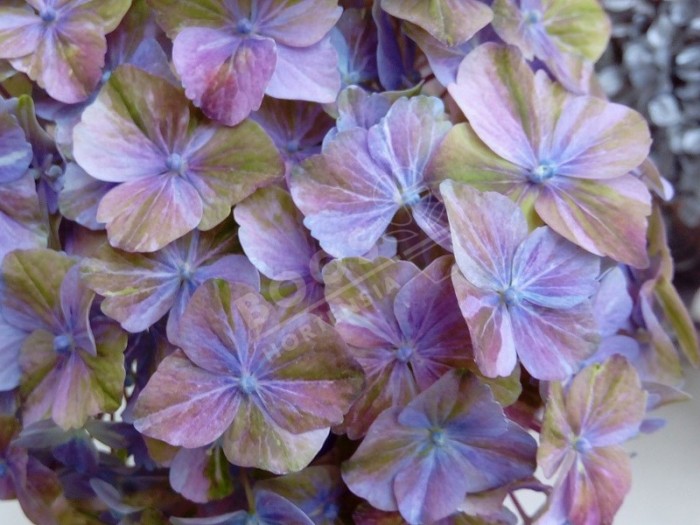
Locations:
{"points": [[319, 262]]}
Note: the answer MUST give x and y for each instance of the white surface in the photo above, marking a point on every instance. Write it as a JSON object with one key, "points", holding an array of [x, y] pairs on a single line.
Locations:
{"points": [[665, 465]]}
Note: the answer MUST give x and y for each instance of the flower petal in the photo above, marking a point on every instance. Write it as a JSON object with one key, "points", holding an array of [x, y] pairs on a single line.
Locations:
{"points": [[306, 73], [15, 151], [146, 214], [223, 74]]}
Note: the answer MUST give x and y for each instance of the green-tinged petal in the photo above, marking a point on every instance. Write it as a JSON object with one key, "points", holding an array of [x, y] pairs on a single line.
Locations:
{"points": [[253, 440], [450, 21]]}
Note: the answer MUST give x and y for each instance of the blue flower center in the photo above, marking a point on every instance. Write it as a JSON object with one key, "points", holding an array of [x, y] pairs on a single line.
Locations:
{"points": [[106, 75], [292, 146], [244, 26], [404, 353], [410, 197], [63, 344], [582, 445], [248, 384], [186, 271], [48, 15], [438, 437], [532, 17], [543, 172], [510, 297], [176, 163]]}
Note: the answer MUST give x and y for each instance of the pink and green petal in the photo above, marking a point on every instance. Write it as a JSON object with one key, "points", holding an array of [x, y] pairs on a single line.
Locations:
{"points": [[226, 165], [125, 134], [347, 200], [185, 405], [308, 73], [32, 288], [146, 214], [452, 22], [604, 217], [222, 73], [487, 229], [496, 91], [20, 32], [253, 440]]}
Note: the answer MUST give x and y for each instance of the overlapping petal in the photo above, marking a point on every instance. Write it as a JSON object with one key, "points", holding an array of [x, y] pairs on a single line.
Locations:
{"points": [[280, 384], [449, 441], [173, 169]]}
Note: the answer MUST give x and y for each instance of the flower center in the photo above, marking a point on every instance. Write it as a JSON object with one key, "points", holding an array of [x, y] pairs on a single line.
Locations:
{"points": [[543, 172], [438, 437], [48, 15], [62, 344], [510, 297], [186, 271], [582, 445], [410, 197], [404, 353], [106, 75], [176, 163], [244, 26], [532, 17], [248, 384], [292, 146]]}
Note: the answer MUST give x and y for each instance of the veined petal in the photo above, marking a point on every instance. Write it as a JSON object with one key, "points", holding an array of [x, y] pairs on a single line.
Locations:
{"points": [[222, 73], [306, 73], [289, 24], [15, 151]]}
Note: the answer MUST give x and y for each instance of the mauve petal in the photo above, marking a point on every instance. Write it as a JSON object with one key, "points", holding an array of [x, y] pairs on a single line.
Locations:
{"points": [[146, 214], [15, 151], [612, 303], [496, 91], [80, 196], [428, 313], [310, 380], [551, 343], [127, 132], [306, 73], [68, 60], [444, 60], [225, 165], [431, 216], [76, 302], [557, 435], [188, 473], [274, 509], [222, 73], [403, 142], [219, 325], [487, 229], [387, 448], [550, 271], [592, 491], [138, 289], [604, 217], [288, 22], [388, 383], [594, 139], [22, 225], [20, 32], [185, 405], [272, 235], [347, 200], [361, 295], [37, 494], [450, 21], [606, 403], [490, 327], [253, 440], [11, 340]]}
